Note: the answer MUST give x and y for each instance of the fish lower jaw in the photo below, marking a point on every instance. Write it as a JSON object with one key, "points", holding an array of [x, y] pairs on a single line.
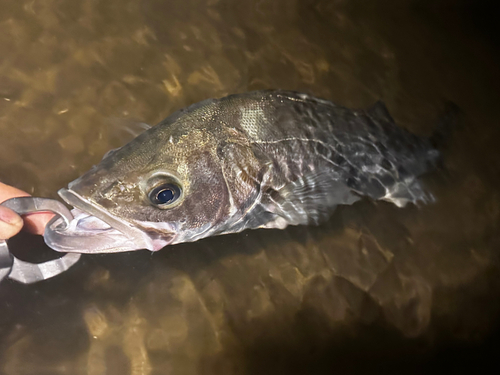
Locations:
{"points": [[88, 242]]}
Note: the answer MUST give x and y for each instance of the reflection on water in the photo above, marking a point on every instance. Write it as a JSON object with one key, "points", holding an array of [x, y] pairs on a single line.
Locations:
{"points": [[376, 287]]}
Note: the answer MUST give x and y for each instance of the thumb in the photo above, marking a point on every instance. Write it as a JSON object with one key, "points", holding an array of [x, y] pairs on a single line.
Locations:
{"points": [[10, 223]]}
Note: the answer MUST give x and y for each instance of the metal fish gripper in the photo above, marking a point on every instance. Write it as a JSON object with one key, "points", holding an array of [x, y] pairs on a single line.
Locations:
{"points": [[26, 272]]}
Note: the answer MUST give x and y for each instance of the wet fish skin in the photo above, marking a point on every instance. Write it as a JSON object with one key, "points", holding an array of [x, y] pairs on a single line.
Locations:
{"points": [[264, 159]]}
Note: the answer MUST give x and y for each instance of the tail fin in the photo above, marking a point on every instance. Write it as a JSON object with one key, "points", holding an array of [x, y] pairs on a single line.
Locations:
{"points": [[446, 125]]}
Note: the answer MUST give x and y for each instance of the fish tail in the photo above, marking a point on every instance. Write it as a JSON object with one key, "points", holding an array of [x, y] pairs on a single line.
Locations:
{"points": [[446, 126]]}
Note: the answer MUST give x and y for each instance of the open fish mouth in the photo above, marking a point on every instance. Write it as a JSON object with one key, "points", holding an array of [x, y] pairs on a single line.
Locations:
{"points": [[94, 230]]}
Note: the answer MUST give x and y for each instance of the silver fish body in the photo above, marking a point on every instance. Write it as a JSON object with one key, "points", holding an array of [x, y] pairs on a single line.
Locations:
{"points": [[264, 159]]}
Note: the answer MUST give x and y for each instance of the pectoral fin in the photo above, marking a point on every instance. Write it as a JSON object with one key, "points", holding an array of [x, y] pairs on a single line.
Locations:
{"points": [[308, 200]]}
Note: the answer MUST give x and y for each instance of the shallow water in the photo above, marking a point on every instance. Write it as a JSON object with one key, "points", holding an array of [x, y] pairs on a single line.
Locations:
{"points": [[376, 289]]}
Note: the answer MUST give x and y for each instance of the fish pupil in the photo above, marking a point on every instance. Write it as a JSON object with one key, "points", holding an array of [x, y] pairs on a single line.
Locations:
{"points": [[165, 194]]}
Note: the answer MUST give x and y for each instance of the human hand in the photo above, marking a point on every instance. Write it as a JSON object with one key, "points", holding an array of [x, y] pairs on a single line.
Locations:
{"points": [[11, 223]]}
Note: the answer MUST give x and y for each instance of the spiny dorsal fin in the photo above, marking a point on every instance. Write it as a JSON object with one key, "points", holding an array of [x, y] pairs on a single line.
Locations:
{"points": [[380, 112]]}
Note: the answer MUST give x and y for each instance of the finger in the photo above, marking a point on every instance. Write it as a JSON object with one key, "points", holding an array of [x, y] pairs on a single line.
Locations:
{"points": [[10, 223], [34, 223], [7, 192]]}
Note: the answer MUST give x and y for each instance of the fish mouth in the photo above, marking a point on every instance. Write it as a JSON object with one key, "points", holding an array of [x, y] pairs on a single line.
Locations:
{"points": [[94, 230]]}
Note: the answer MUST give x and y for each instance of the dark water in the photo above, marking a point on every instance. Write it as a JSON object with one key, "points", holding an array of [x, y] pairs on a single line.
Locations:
{"points": [[377, 289]]}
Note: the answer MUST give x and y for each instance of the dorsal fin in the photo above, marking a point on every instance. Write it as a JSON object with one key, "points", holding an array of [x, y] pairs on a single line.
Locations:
{"points": [[379, 111]]}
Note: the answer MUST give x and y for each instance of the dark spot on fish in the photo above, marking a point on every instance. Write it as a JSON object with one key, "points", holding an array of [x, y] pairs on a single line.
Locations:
{"points": [[386, 164], [322, 150], [351, 182], [387, 179], [402, 171], [339, 160]]}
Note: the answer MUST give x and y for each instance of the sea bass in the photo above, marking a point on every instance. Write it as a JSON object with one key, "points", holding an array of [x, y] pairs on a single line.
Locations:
{"points": [[264, 159]]}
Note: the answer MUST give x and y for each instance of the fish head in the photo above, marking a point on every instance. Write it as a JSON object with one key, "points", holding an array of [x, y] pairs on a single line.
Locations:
{"points": [[167, 186]]}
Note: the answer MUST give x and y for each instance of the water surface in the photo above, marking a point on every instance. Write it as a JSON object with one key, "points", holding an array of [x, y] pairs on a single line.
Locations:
{"points": [[375, 289]]}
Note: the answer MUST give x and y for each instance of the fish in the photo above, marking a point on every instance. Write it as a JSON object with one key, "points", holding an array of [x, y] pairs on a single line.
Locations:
{"points": [[262, 159]]}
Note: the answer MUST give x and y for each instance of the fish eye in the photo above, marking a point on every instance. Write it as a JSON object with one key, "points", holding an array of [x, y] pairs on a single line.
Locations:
{"points": [[165, 194]]}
